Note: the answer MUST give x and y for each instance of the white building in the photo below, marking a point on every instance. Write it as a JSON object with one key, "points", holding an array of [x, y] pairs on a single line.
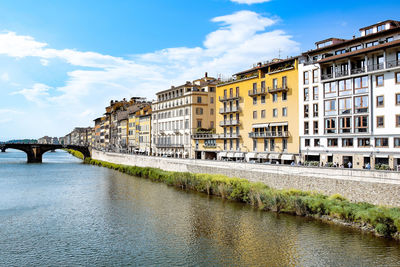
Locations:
{"points": [[350, 99]]}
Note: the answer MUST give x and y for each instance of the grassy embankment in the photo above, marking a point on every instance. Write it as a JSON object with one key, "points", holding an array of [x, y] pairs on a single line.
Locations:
{"points": [[383, 221]]}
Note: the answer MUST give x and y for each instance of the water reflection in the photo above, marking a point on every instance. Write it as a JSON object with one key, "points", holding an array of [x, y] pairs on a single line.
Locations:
{"points": [[66, 213]]}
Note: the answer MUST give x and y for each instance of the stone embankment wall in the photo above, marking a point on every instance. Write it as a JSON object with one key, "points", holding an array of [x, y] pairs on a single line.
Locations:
{"points": [[376, 187]]}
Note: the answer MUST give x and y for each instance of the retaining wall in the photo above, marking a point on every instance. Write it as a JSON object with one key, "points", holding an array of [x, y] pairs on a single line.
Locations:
{"points": [[376, 187]]}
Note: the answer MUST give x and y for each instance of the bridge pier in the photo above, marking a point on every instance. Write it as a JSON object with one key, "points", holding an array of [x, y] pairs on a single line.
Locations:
{"points": [[3, 149], [34, 158]]}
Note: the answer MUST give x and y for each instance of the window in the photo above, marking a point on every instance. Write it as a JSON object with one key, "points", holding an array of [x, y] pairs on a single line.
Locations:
{"points": [[262, 84], [211, 100], [347, 142], [332, 142], [255, 114], [306, 95], [305, 77], [330, 89], [345, 106], [345, 87], [306, 111], [254, 87], [315, 93], [397, 120], [199, 111], [397, 77], [255, 100], [379, 80], [381, 28], [315, 127], [306, 128], [306, 142], [254, 144], [274, 97], [315, 76], [284, 82], [361, 124], [379, 101], [263, 113], [272, 145], [263, 99], [380, 121], [397, 96], [345, 124], [211, 124], [284, 144], [284, 96], [186, 124], [360, 104], [275, 112], [354, 48], [199, 99], [315, 110], [284, 111], [341, 51], [330, 107], [363, 142], [199, 124], [316, 142], [330, 125], [370, 44], [265, 144], [275, 83], [396, 142], [381, 142], [361, 84]]}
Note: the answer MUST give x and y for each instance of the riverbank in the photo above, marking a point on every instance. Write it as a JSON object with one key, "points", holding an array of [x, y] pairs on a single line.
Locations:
{"points": [[382, 221]]}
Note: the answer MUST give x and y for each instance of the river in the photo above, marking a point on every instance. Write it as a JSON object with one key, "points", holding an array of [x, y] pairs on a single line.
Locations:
{"points": [[65, 213]]}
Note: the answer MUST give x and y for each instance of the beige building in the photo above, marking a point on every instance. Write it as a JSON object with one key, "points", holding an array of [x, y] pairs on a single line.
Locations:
{"points": [[180, 112]]}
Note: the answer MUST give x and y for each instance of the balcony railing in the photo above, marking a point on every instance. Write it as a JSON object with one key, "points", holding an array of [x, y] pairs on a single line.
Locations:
{"points": [[229, 122], [216, 136], [272, 90], [326, 76], [268, 134], [230, 97], [373, 67], [257, 91], [392, 64], [169, 145], [229, 110], [342, 73], [357, 70]]}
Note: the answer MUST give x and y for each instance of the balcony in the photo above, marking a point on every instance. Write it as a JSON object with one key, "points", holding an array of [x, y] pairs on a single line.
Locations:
{"points": [[229, 110], [216, 136], [229, 123], [357, 70], [203, 136], [227, 98], [228, 136], [268, 134], [272, 90], [257, 91], [169, 145]]}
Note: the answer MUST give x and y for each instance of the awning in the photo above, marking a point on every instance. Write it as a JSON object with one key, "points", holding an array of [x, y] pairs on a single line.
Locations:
{"points": [[396, 156], [278, 124], [260, 125], [287, 157], [222, 154], [239, 155], [381, 156], [312, 153], [366, 155], [230, 155], [252, 155], [263, 156], [274, 156]]}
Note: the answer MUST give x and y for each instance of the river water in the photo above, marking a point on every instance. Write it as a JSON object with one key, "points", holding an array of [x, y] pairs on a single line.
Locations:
{"points": [[65, 213]]}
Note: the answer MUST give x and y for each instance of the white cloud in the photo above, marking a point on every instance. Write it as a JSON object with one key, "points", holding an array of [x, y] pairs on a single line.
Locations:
{"points": [[38, 93], [5, 77], [250, 2], [241, 40], [44, 62]]}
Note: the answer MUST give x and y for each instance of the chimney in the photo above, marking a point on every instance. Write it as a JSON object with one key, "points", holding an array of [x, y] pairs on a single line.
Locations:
{"points": [[259, 64], [206, 75]]}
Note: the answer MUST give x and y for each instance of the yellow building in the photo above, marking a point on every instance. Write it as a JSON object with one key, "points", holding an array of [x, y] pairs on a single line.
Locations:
{"points": [[143, 119], [257, 115]]}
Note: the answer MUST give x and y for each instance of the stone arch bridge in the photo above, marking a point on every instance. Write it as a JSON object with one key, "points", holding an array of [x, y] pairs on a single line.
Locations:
{"points": [[35, 152]]}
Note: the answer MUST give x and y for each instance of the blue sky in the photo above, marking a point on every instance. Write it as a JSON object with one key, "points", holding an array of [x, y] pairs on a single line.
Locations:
{"points": [[62, 61]]}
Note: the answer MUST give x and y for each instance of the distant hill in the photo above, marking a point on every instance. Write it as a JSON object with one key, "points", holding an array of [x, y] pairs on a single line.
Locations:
{"points": [[24, 141]]}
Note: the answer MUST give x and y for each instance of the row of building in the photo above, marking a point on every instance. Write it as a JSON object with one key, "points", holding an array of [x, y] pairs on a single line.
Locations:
{"points": [[335, 104]]}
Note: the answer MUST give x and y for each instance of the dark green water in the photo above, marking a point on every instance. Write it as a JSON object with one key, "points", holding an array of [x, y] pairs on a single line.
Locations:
{"points": [[64, 213]]}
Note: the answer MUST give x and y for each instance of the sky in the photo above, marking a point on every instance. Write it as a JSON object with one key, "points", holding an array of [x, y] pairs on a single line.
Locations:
{"points": [[61, 62]]}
